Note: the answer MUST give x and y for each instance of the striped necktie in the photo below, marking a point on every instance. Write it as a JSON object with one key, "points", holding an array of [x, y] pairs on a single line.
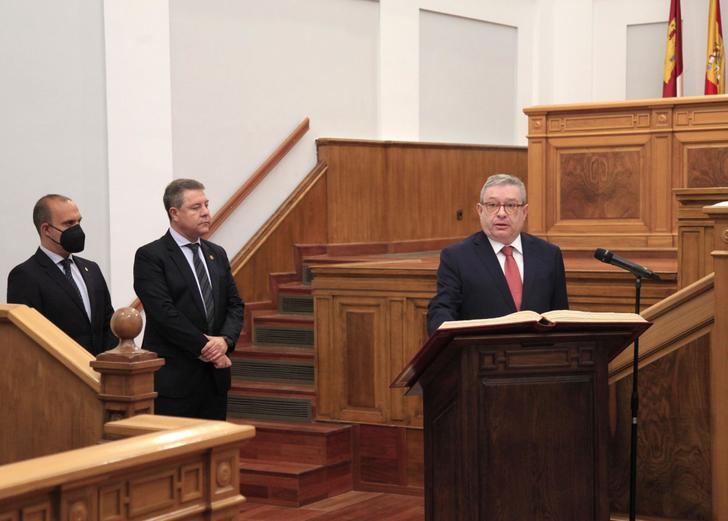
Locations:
{"points": [[66, 264], [205, 286]]}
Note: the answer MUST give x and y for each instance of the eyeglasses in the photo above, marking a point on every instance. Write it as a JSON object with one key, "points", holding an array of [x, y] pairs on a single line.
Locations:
{"points": [[509, 208]]}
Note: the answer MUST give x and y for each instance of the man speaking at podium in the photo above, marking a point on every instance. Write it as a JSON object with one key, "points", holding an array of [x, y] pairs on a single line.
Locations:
{"points": [[498, 270]]}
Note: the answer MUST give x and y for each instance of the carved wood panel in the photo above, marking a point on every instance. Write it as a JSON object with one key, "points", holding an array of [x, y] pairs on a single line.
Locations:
{"points": [[674, 476], [707, 166], [600, 185]]}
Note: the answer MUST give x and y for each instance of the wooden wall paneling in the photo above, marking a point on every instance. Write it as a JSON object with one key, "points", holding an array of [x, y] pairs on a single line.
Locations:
{"points": [[360, 342], [537, 219], [396, 310], [301, 219], [599, 186], [692, 242], [415, 328], [695, 231], [674, 443], [45, 407], [427, 187], [328, 378], [357, 198], [659, 198], [398, 191], [702, 159]]}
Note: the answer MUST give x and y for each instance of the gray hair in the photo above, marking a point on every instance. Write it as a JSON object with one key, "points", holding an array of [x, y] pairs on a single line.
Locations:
{"points": [[174, 193], [41, 210], [504, 179]]}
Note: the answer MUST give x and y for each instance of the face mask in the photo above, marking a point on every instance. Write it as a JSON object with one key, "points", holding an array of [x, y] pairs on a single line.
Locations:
{"points": [[72, 239]]}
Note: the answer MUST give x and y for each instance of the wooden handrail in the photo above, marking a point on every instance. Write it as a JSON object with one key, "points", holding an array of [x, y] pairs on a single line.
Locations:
{"points": [[679, 319], [260, 173], [54, 341], [248, 186], [117, 456], [257, 240]]}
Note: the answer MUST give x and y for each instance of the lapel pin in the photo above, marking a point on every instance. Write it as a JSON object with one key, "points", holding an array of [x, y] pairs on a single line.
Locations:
{"points": [[85, 268], [212, 257]]}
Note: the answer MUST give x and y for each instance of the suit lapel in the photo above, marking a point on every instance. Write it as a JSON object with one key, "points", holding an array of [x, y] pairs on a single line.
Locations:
{"points": [[178, 258], [485, 252], [530, 267], [57, 276]]}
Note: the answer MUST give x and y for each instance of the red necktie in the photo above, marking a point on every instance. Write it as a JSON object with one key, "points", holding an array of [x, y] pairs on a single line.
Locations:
{"points": [[513, 277]]}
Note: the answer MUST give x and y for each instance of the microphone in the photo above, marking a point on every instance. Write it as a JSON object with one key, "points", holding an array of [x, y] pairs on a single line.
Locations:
{"points": [[608, 257]]}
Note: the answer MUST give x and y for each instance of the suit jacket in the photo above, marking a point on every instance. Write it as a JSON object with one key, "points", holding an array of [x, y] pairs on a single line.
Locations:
{"points": [[40, 284], [471, 283], [175, 315]]}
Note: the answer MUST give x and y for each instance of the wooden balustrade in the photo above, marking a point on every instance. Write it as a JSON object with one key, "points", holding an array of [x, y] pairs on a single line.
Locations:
{"points": [[188, 470], [52, 396]]}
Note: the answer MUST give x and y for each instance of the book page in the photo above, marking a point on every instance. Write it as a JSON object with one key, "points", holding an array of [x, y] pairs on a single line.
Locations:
{"points": [[569, 315], [513, 318]]}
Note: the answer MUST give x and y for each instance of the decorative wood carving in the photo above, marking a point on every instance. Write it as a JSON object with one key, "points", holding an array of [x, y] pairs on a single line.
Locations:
{"points": [[600, 185], [187, 472], [707, 165], [668, 144]]}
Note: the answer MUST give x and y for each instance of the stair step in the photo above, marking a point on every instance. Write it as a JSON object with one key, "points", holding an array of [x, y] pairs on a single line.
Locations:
{"points": [[301, 371], [273, 352], [295, 303], [278, 467], [309, 443], [273, 388], [293, 484], [273, 403], [286, 330]]}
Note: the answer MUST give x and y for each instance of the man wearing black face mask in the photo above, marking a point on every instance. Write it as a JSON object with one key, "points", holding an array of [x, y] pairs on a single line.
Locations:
{"points": [[68, 290]]}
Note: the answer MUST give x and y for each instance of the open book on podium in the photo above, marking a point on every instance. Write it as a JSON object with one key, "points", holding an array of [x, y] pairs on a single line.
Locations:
{"points": [[561, 321]]}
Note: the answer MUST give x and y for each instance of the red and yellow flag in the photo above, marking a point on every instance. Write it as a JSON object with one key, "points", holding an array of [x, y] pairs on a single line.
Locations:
{"points": [[715, 68], [672, 74]]}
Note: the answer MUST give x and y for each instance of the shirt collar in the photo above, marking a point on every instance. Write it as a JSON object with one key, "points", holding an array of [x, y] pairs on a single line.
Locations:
{"points": [[180, 239], [497, 246], [54, 257]]}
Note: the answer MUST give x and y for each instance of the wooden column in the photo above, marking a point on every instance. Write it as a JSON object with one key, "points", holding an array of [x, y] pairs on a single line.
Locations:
{"points": [[127, 371], [719, 367]]}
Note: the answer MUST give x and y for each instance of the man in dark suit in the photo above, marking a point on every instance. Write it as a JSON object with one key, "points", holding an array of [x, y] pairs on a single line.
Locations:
{"points": [[193, 311], [68, 290], [498, 270]]}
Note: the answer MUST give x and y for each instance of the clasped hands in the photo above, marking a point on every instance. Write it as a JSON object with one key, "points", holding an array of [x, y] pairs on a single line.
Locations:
{"points": [[214, 351]]}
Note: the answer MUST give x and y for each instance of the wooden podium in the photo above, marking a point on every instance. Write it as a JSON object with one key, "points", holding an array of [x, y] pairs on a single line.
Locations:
{"points": [[516, 418]]}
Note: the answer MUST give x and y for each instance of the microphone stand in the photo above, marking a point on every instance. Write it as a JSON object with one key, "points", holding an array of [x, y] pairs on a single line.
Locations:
{"points": [[635, 402]]}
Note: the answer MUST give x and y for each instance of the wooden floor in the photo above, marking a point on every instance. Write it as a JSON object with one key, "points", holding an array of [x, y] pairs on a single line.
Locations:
{"points": [[351, 506]]}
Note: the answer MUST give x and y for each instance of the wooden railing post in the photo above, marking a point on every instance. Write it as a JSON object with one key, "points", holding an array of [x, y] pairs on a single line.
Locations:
{"points": [[127, 371], [719, 366]]}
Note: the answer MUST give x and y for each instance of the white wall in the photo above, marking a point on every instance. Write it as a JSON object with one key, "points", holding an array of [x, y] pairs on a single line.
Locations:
{"points": [[467, 80], [208, 89], [52, 121], [139, 131], [244, 74]]}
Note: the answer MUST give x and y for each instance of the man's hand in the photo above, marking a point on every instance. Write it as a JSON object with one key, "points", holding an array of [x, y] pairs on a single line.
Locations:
{"points": [[215, 348], [222, 362]]}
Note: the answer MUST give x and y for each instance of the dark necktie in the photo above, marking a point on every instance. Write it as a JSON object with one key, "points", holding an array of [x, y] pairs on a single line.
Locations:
{"points": [[66, 264], [513, 277], [205, 286]]}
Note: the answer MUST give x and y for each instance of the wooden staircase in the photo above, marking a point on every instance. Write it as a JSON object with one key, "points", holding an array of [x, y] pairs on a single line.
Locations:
{"points": [[292, 461]]}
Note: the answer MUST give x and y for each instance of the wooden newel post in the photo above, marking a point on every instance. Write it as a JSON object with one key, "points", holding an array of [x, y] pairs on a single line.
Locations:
{"points": [[127, 371], [719, 365]]}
